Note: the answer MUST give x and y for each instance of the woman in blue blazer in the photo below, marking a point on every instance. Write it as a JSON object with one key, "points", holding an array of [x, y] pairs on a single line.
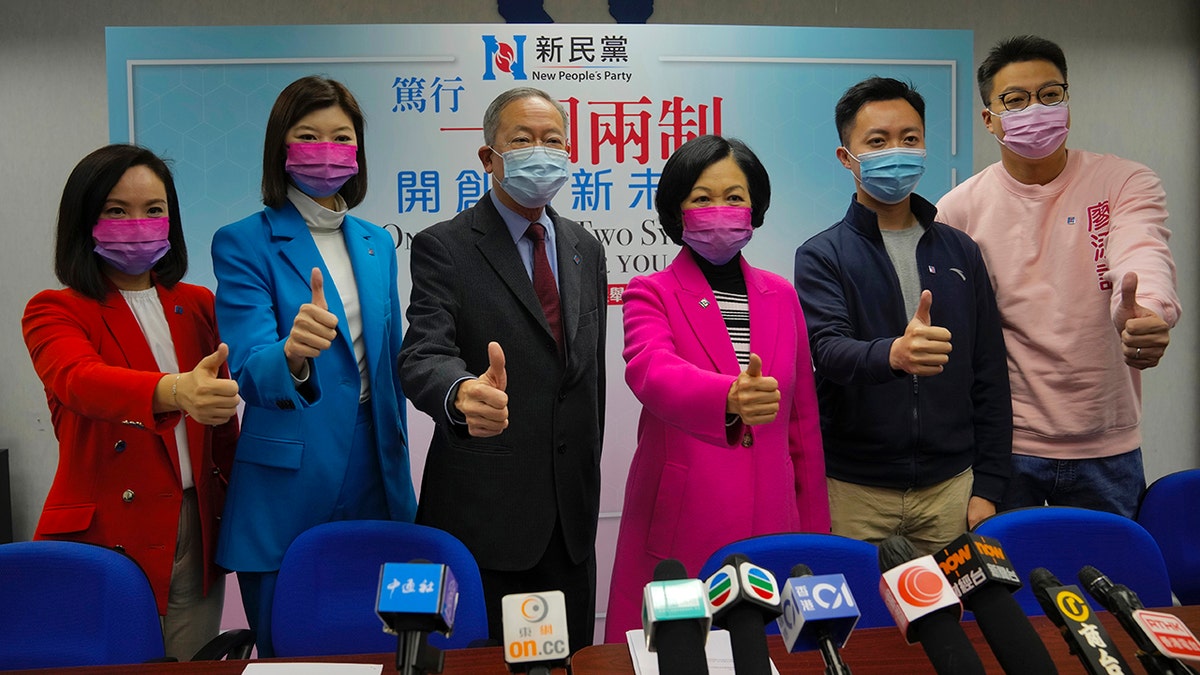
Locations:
{"points": [[307, 300]]}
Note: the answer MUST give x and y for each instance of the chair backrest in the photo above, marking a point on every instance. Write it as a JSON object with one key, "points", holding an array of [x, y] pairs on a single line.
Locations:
{"points": [[1065, 539], [1170, 512], [71, 604], [825, 554], [326, 591]]}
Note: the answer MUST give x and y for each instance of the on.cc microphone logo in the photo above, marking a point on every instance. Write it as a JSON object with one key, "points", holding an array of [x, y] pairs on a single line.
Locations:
{"points": [[919, 587], [534, 608]]}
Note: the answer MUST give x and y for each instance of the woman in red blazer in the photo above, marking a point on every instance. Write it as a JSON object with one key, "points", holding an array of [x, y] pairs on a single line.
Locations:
{"points": [[133, 368], [716, 351]]}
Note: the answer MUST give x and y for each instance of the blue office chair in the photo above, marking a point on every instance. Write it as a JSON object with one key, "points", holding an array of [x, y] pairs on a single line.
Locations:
{"points": [[70, 604], [65, 603], [326, 591], [1170, 511], [1064, 539], [825, 554]]}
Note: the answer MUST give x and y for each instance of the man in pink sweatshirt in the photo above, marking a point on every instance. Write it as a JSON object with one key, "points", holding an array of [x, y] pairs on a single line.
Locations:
{"points": [[1076, 246]]}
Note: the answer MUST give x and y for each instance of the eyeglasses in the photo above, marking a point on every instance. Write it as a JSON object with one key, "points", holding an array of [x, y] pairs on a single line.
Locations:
{"points": [[522, 142], [1019, 99]]}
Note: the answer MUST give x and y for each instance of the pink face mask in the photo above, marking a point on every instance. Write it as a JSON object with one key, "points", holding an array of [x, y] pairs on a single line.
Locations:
{"points": [[321, 169], [717, 233], [132, 245], [1036, 131]]}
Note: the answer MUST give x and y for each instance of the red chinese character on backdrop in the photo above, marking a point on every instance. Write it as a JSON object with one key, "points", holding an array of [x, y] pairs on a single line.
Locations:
{"points": [[572, 106], [621, 128], [682, 123]]}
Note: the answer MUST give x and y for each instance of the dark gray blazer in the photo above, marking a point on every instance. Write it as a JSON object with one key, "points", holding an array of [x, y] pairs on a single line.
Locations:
{"points": [[501, 495]]}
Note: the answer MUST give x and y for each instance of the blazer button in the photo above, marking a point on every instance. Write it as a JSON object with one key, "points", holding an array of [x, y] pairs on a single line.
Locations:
{"points": [[127, 496], [562, 448], [119, 548], [747, 439], [119, 446]]}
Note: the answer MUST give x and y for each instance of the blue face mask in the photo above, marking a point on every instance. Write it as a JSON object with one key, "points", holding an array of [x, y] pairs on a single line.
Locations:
{"points": [[890, 175], [533, 175]]}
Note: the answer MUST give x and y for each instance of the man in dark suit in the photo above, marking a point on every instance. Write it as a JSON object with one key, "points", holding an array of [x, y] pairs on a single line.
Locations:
{"points": [[510, 289]]}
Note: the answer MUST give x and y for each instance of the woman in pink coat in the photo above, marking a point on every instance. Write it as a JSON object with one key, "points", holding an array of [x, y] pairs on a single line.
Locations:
{"points": [[729, 442]]}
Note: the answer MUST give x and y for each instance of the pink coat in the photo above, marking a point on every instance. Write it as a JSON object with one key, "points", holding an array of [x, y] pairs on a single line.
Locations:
{"points": [[690, 490]]}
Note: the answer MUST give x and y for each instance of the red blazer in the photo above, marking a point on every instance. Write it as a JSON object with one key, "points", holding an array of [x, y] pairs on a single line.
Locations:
{"points": [[118, 481]]}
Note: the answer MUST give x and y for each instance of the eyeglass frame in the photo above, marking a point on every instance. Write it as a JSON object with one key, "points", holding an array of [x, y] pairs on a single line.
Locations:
{"points": [[1032, 95], [532, 144]]}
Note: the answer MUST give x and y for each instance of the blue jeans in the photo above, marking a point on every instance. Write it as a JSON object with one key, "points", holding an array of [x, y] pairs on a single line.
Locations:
{"points": [[1113, 484]]}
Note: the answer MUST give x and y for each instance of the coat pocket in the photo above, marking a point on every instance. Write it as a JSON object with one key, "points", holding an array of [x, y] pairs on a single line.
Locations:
{"points": [[273, 452], [66, 519], [664, 521]]}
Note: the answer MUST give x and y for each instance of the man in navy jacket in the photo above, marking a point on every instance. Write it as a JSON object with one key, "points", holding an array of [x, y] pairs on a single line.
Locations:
{"points": [[912, 377]]}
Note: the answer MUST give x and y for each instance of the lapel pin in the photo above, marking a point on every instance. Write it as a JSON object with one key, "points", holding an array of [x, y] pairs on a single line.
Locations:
{"points": [[704, 302], [178, 309], [370, 251], [932, 270], [576, 259]]}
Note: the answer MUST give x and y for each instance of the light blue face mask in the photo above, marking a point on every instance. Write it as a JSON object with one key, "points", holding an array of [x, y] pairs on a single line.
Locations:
{"points": [[533, 175], [890, 175]]}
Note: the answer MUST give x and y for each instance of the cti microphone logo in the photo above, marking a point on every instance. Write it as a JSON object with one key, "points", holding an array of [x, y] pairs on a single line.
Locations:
{"points": [[504, 57], [919, 587], [534, 608]]}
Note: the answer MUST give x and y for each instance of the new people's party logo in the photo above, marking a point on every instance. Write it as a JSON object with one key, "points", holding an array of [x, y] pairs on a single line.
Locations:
{"points": [[504, 57], [919, 587]]}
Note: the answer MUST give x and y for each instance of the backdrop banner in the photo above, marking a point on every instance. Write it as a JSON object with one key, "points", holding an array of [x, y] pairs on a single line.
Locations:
{"points": [[200, 97]]}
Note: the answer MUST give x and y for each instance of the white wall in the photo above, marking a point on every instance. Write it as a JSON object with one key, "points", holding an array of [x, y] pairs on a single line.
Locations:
{"points": [[1134, 76]]}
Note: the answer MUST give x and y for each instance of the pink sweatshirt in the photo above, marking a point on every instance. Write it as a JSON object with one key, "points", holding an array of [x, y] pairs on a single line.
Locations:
{"points": [[1056, 254]]}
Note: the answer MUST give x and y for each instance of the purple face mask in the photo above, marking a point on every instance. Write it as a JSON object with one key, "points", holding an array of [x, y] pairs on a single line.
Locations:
{"points": [[717, 233], [321, 169], [1036, 131], [132, 245]]}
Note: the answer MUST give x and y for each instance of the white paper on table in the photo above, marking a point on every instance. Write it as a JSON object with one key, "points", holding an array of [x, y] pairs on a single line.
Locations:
{"points": [[313, 669], [717, 652]]}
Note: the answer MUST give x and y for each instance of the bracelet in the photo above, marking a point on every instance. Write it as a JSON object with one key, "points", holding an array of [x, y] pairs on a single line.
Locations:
{"points": [[175, 394]]}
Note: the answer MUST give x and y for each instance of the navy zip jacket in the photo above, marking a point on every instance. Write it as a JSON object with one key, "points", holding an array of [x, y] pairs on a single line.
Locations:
{"points": [[884, 427]]}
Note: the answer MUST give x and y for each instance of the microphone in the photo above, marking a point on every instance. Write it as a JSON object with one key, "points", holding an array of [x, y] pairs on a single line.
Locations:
{"points": [[1119, 600], [535, 632], [984, 579], [925, 608], [415, 599], [819, 612], [744, 598], [676, 617], [1067, 609]]}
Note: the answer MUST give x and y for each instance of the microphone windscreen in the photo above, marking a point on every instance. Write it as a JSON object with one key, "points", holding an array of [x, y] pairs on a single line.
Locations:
{"points": [[895, 550], [1040, 577], [801, 570], [1089, 575], [669, 569]]}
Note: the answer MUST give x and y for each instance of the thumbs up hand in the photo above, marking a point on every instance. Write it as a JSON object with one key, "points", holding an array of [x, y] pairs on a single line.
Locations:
{"points": [[483, 400], [1144, 335], [752, 396], [314, 328], [924, 348], [203, 394]]}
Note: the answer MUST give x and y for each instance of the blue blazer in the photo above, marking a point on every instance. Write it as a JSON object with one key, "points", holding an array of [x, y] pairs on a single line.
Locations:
{"points": [[295, 443]]}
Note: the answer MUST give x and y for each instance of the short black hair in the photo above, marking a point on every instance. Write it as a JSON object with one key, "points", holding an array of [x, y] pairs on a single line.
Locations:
{"points": [[870, 90], [297, 100], [76, 264], [1017, 49], [683, 169]]}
